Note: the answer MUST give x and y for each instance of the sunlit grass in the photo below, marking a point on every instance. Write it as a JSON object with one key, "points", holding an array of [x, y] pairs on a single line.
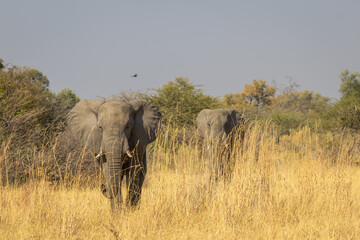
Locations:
{"points": [[306, 187]]}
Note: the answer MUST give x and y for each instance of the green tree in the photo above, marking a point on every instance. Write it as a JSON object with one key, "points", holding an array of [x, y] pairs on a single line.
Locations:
{"points": [[68, 97], [292, 108], [180, 101], [26, 107], [2, 66], [346, 112], [38, 76], [350, 84], [29, 110], [306, 102], [31, 116]]}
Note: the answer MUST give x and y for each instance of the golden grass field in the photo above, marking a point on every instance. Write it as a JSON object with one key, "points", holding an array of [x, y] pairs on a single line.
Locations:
{"points": [[306, 187]]}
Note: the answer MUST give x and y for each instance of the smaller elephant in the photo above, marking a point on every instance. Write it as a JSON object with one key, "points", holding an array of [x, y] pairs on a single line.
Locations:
{"points": [[117, 132], [217, 127]]}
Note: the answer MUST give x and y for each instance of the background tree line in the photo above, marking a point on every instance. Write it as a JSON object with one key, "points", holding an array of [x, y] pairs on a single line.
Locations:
{"points": [[27, 103], [288, 108], [32, 116]]}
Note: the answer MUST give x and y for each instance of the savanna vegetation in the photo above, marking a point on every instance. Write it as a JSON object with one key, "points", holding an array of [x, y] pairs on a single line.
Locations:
{"points": [[294, 176]]}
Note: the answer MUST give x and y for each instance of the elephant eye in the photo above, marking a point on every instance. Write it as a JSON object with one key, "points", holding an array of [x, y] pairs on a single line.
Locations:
{"points": [[129, 125], [100, 127]]}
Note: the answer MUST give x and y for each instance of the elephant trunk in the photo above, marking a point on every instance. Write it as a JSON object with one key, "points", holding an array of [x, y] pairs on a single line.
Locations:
{"points": [[218, 137], [112, 169], [112, 172]]}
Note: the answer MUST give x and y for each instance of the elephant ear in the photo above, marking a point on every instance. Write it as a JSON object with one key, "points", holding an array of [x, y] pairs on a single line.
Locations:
{"points": [[236, 117], [82, 120], [147, 118]]}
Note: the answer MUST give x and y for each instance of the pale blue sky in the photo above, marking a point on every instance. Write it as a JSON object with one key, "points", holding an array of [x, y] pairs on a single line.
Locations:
{"points": [[92, 47]]}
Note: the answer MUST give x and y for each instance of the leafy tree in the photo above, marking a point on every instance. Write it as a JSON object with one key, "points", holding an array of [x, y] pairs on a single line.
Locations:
{"points": [[256, 94], [29, 110], [180, 101], [38, 76], [26, 107], [235, 100], [1, 64], [301, 101], [68, 97], [286, 120], [254, 101], [31, 117], [350, 84], [346, 113], [259, 93]]}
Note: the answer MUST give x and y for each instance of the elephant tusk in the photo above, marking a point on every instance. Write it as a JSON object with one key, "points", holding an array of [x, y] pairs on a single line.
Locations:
{"points": [[99, 155], [129, 153]]}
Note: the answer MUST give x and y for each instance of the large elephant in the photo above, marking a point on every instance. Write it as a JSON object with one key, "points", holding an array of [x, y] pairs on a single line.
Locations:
{"points": [[117, 132], [217, 127]]}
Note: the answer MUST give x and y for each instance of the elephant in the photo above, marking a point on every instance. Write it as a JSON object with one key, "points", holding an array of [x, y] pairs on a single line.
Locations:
{"points": [[117, 133], [217, 127]]}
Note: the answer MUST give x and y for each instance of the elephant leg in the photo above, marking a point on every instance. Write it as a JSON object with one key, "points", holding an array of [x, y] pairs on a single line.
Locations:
{"points": [[220, 167], [224, 165], [135, 179], [118, 199], [214, 163]]}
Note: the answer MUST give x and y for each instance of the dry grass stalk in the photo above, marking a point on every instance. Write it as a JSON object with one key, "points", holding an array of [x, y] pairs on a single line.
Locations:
{"points": [[306, 187]]}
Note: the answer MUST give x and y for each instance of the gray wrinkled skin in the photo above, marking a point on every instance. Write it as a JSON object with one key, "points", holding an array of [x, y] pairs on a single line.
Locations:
{"points": [[117, 133], [217, 128]]}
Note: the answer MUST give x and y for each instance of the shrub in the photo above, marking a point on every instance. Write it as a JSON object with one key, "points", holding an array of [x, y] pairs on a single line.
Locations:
{"points": [[180, 101], [287, 120], [345, 114], [31, 117]]}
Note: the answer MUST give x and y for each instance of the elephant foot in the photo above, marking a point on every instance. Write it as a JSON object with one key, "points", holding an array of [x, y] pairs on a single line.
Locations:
{"points": [[117, 203], [133, 200], [103, 189]]}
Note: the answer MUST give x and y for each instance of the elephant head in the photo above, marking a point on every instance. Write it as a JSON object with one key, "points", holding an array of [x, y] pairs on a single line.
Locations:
{"points": [[112, 130], [216, 125]]}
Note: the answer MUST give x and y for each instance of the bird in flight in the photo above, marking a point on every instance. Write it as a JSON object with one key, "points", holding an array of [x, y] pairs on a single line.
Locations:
{"points": [[135, 75]]}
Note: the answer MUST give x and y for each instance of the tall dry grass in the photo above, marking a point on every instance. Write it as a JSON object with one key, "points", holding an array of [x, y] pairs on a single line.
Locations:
{"points": [[306, 187]]}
